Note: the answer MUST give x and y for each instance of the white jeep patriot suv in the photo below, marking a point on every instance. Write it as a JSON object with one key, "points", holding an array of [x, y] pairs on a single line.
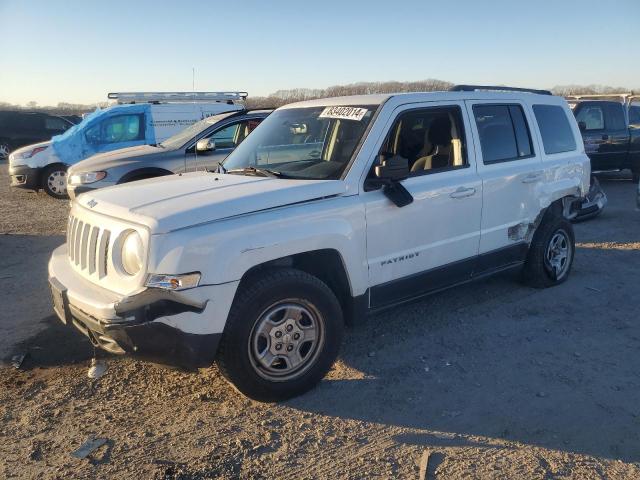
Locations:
{"points": [[330, 209]]}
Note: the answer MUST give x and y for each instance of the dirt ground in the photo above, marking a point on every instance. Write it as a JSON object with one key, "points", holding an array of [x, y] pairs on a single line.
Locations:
{"points": [[488, 380]]}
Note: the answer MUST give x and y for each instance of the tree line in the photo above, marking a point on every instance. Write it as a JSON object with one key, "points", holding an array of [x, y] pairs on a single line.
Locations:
{"points": [[282, 97]]}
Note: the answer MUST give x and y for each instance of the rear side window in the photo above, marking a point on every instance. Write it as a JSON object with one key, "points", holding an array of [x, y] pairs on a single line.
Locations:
{"points": [[634, 115], [55, 123], [504, 133], [614, 117], [555, 129]]}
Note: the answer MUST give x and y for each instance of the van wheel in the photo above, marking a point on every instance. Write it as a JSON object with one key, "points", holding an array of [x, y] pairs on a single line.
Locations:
{"points": [[54, 181], [551, 253], [282, 335]]}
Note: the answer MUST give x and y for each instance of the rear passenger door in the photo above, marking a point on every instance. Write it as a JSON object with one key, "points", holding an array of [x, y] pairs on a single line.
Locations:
{"points": [[512, 177]]}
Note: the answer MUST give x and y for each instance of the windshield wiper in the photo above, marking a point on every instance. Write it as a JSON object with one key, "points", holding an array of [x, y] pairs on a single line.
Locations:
{"points": [[264, 172]]}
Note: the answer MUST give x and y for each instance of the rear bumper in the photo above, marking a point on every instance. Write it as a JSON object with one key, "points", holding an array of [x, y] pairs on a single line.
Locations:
{"points": [[593, 203], [172, 328], [25, 177]]}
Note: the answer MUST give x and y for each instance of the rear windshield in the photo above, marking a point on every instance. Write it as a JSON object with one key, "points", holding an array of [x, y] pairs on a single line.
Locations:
{"points": [[314, 143]]}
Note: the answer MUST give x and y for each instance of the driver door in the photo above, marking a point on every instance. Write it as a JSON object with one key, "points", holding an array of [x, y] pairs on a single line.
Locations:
{"points": [[432, 242]]}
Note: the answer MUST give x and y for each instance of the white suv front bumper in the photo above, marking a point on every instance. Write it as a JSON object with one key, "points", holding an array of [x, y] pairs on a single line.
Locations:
{"points": [[177, 328]]}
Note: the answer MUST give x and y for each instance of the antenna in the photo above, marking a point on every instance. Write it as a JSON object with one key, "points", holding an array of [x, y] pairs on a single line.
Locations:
{"points": [[193, 89]]}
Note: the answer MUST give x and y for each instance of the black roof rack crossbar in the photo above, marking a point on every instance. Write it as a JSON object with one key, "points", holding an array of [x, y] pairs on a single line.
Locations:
{"points": [[473, 88]]}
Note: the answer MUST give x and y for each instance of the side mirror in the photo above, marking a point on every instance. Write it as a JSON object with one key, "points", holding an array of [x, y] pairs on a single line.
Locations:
{"points": [[582, 126], [205, 145], [390, 172], [392, 169]]}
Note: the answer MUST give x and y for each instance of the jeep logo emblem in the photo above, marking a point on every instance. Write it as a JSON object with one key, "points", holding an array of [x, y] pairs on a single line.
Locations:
{"points": [[92, 203]]}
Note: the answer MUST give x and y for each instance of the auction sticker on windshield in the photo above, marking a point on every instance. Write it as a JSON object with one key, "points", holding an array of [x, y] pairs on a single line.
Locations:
{"points": [[344, 113]]}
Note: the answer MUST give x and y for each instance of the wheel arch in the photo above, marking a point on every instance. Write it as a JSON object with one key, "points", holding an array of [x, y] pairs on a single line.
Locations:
{"points": [[44, 170], [326, 264]]}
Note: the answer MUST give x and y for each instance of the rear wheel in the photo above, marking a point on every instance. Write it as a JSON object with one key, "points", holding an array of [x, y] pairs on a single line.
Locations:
{"points": [[551, 252], [54, 181], [283, 334]]}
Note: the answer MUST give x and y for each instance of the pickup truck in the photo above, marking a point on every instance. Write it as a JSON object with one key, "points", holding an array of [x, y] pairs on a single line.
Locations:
{"points": [[610, 130], [329, 210]]}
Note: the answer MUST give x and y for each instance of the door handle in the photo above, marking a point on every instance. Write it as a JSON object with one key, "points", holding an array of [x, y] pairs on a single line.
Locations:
{"points": [[532, 177], [462, 192]]}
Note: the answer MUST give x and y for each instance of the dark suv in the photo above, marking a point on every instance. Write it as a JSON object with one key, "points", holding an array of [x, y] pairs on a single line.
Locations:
{"points": [[18, 129]]}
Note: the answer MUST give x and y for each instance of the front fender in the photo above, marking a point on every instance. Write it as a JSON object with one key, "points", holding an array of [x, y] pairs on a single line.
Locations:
{"points": [[225, 250]]}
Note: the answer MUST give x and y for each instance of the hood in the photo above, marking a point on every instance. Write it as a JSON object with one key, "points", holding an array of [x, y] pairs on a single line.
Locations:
{"points": [[107, 160], [31, 147], [35, 160], [177, 201]]}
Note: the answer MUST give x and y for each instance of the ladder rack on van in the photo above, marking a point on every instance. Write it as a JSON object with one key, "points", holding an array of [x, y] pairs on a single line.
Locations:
{"points": [[177, 97], [624, 97]]}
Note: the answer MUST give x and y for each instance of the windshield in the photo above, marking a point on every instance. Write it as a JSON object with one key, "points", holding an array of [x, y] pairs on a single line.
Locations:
{"points": [[314, 143], [183, 136]]}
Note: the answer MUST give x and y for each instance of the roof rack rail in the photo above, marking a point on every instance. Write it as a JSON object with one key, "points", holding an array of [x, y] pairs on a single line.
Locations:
{"points": [[624, 97], [474, 88], [157, 97]]}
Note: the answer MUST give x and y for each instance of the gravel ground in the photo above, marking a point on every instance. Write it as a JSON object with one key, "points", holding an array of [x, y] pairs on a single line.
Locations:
{"points": [[489, 380]]}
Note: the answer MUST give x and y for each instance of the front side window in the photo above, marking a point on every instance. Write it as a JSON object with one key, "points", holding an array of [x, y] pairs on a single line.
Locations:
{"points": [[555, 130], [503, 131], [226, 137], [592, 116], [431, 139], [315, 143], [117, 129]]}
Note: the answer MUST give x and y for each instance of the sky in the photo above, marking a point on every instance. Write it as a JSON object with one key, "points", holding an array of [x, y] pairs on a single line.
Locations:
{"points": [[78, 51]]}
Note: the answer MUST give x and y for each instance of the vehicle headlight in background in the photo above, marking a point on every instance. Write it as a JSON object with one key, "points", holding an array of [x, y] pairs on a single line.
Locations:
{"points": [[174, 282], [86, 177], [132, 253], [28, 153]]}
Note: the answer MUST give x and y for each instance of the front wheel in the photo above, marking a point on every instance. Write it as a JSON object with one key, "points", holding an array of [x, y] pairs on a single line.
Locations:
{"points": [[5, 150], [283, 334], [54, 181], [551, 253]]}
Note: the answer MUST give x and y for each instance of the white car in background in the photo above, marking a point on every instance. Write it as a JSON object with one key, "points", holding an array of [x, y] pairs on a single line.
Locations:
{"points": [[329, 210], [139, 118]]}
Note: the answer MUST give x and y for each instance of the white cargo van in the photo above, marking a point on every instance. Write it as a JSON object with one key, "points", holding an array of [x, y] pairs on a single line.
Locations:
{"points": [[138, 118]]}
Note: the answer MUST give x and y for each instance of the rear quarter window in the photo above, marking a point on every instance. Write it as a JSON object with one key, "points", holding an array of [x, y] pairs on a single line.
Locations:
{"points": [[555, 129]]}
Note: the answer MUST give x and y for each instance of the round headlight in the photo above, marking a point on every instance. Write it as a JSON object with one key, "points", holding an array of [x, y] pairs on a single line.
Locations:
{"points": [[132, 253]]}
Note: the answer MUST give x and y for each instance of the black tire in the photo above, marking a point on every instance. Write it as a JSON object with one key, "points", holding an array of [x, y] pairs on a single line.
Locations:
{"points": [[266, 292], [56, 191], [537, 271]]}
